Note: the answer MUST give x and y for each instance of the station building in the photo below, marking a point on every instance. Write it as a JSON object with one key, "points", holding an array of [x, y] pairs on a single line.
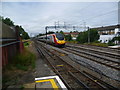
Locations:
{"points": [[108, 33]]}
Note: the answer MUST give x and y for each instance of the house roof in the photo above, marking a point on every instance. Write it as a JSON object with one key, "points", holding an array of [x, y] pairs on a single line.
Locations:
{"points": [[107, 27]]}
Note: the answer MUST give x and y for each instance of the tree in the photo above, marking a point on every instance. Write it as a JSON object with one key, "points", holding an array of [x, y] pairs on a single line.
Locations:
{"points": [[8, 21], [21, 30], [116, 38], [57, 32], [112, 42], [94, 35], [75, 31], [62, 32], [68, 37], [25, 35], [83, 36]]}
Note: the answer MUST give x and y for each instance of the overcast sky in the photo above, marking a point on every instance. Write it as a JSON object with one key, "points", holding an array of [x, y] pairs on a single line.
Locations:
{"points": [[34, 16]]}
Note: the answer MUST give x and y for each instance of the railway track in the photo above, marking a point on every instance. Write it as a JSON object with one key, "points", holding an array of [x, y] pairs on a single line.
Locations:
{"points": [[105, 49], [102, 52], [94, 57], [72, 77]]}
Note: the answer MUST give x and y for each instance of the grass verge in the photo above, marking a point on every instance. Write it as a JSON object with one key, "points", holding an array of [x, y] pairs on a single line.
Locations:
{"points": [[99, 44], [18, 67], [24, 60]]}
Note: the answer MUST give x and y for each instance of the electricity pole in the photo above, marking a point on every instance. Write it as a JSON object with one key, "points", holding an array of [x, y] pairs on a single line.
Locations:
{"points": [[55, 25], [58, 26], [64, 25], [88, 35], [46, 34]]}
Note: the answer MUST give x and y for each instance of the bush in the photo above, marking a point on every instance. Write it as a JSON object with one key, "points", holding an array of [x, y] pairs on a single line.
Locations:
{"points": [[26, 44], [110, 43], [72, 41], [83, 36], [68, 37], [24, 60], [100, 44], [96, 42]]}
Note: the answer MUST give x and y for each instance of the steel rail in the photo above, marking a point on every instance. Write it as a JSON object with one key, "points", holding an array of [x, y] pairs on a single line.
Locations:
{"points": [[76, 53], [96, 47], [70, 88], [58, 71], [113, 55], [96, 55], [86, 76], [67, 85], [79, 81]]}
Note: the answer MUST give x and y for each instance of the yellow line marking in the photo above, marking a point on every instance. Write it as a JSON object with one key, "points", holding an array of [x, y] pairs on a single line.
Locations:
{"points": [[51, 81], [60, 65], [62, 54]]}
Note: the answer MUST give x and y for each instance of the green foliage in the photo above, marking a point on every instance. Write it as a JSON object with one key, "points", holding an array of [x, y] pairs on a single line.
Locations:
{"points": [[111, 43], [62, 32], [22, 87], [96, 42], [99, 44], [26, 44], [22, 32], [94, 36], [8, 21], [68, 37], [83, 36], [116, 38], [74, 31], [57, 32], [24, 60], [25, 35], [21, 67], [72, 41]]}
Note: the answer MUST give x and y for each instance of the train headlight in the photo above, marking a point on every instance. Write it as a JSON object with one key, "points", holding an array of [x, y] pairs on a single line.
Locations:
{"points": [[56, 39]]}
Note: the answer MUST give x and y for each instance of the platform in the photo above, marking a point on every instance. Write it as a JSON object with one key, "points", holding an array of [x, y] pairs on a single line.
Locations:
{"points": [[50, 82], [116, 46]]}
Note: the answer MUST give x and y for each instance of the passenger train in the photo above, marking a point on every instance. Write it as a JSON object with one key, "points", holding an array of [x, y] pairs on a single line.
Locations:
{"points": [[56, 39]]}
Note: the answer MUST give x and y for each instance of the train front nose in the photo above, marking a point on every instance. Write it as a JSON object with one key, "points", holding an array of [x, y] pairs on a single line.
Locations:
{"points": [[61, 41]]}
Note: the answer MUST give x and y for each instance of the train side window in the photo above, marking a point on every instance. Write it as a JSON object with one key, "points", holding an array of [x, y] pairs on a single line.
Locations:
{"points": [[47, 38], [50, 37]]}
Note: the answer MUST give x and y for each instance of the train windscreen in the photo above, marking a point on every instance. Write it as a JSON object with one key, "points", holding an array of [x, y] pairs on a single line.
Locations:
{"points": [[60, 36]]}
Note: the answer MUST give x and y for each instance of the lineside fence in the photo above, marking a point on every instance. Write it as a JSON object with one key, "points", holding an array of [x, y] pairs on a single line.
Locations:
{"points": [[10, 43]]}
